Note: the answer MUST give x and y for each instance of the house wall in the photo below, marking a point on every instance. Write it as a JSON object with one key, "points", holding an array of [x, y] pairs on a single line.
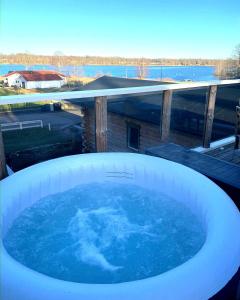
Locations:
{"points": [[44, 84], [17, 80], [117, 133], [14, 80], [64, 80]]}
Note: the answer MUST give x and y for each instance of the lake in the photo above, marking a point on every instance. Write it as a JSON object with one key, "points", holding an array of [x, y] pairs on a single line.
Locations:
{"points": [[194, 73]]}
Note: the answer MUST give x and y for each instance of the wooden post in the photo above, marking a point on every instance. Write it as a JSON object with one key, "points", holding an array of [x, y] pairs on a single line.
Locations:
{"points": [[237, 133], [101, 123], [3, 167], [165, 115], [209, 115]]}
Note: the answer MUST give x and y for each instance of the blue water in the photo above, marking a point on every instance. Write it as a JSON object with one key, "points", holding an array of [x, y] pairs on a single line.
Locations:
{"points": [[195, 73], [104, 233]]}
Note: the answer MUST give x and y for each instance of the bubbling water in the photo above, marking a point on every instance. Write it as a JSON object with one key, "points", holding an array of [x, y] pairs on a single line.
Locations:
{"points": [[96, 230], [105, 233]]}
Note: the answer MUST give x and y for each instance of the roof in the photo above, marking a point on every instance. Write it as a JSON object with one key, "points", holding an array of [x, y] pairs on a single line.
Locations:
{"points": [[110, 82], [42, 75]]}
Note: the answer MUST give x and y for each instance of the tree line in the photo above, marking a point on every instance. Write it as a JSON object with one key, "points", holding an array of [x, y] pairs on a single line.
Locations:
{"points": [[64, 60]]}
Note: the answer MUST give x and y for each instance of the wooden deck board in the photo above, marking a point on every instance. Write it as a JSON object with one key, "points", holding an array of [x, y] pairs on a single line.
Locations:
{"points": [[226, 153], [225, 174]]}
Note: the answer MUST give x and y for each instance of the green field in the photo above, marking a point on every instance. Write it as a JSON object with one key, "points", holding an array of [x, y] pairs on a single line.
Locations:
{"points": [[19, 106], [32, 137], [7, 91]]}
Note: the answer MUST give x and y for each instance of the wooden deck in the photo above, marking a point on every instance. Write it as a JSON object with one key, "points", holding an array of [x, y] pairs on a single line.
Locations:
{"points": [[225, 174], [226, 153]]}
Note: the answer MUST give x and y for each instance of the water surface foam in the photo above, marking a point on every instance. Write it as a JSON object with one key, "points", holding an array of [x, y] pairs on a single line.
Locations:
{"points": [[105, 233]]}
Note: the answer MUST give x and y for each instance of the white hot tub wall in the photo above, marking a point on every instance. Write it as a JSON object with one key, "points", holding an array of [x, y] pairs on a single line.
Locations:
{"points": [[202, 196]]}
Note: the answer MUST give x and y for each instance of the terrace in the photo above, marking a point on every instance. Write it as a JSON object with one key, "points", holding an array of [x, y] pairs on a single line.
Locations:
{"points": [[204, 145]]}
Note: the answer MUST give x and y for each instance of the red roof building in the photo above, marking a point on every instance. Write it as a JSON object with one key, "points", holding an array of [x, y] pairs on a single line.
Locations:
{"points": [[35, 79]]}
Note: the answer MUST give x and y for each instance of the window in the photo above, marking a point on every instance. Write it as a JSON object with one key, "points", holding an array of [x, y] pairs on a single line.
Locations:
{"points": [[133, 136]]}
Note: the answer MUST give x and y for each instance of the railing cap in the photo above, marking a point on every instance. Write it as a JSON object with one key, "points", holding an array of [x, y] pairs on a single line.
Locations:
{"points": [[13, 99]]}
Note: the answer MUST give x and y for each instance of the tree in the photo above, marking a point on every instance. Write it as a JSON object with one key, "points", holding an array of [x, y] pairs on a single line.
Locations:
{"points": [[236, 64], [142, 69], [237, 54], [230, 69]]}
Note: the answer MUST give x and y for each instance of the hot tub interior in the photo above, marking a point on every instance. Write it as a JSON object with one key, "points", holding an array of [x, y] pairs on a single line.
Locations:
{"points": [[105, 233]]}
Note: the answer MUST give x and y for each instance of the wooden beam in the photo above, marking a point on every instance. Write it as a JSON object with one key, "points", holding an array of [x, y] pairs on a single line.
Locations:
{"points": [[101, 123], [165, 115], [3, 167], [209, 115], [237, 131]]}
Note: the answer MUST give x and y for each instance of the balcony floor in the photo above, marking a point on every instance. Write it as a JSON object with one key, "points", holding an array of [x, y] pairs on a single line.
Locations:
{"points": [[226, 153]]}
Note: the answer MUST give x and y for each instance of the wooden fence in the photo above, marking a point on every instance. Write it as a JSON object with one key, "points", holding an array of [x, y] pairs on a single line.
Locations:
{"points": [[21, 125]]}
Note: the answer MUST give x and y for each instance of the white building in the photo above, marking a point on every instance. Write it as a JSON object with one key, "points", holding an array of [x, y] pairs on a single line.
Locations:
{"points": [[35, 79]]}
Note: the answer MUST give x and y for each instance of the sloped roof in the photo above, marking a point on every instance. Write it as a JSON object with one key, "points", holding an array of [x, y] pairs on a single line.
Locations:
{"points": [[110, 82], [42, 75]]}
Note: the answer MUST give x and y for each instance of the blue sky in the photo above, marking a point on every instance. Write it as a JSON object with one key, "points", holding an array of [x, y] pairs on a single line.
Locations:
{"points": [[152, 28]]}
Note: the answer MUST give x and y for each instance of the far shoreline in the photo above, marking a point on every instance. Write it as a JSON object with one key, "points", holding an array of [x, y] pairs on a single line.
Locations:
{"points": [[114, 65]]}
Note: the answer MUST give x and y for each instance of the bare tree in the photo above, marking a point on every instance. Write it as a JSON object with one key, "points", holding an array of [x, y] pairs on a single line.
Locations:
{"points": [[142, 69], [234, 64], [58, 59], [230, 69], [236, 54]]}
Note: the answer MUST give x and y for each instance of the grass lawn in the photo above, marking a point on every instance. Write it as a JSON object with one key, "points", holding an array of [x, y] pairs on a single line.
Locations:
{"points": [[32, 137], [19, 106], [7, 91]]}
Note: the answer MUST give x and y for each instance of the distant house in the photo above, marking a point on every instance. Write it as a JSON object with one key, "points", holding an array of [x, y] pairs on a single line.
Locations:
{"points": [[134, 121], [35, 79]]}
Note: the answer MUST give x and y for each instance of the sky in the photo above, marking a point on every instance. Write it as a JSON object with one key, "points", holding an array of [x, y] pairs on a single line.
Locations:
{"points": [[129, 28]]}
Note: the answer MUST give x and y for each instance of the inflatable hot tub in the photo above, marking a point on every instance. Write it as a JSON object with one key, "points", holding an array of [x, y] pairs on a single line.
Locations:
{"points": [[200, 277]]}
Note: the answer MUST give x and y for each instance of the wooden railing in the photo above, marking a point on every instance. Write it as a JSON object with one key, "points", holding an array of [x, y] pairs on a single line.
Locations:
{"points": [[101, 97]]}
